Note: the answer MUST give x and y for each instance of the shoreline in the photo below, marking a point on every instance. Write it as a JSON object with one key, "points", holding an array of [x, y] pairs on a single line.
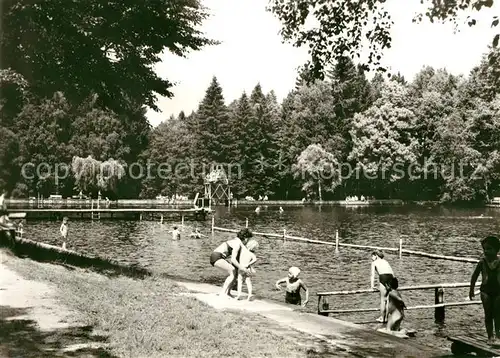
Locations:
{"points": [[121, 316], [158, 317]]}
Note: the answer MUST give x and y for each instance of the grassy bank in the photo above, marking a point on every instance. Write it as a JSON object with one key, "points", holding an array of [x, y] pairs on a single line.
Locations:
{"points": [[152, 318]]}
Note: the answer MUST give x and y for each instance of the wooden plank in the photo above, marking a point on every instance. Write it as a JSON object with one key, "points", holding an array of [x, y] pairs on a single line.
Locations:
{"points": [[476, 344], [403, 288], [17, 215]]}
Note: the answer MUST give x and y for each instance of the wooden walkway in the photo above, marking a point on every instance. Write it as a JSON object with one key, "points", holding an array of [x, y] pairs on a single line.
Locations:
{"points": [[112, 213], [474, 343]]}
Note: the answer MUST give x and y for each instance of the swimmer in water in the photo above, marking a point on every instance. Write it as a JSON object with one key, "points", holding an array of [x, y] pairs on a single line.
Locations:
{"points": [[281, 210], [196, 234], [293, 287]]}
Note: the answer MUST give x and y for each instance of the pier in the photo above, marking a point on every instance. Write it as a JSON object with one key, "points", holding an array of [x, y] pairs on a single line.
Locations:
{"points": [[158, 214]]}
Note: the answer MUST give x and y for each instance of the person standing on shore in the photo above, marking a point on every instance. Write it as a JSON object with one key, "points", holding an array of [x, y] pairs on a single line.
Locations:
{"points": [[385, 277], [489, 268]]}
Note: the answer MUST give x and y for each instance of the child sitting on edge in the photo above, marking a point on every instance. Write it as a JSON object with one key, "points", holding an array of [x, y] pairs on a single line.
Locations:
{"points": [[293, 286], [64, 232], [489, 267], [247, 259], [395, 306]]}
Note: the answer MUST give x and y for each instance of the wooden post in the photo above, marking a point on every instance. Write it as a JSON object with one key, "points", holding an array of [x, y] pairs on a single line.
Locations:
{"points": [[324, 306], [182, 220], [213, 225], [161, 219], [439, 311], [284, 235], [246, 224], [336, 241], [140, 216], [400, 247]]}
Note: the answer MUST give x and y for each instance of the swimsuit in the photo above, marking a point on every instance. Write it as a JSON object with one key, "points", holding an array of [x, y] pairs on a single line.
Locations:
{"points": [[216, 256], [385, 279], [227, 252], [293, 297]]}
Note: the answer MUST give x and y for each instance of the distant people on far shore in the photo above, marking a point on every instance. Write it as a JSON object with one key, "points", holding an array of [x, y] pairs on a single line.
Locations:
{"points": [[381, 267], [361, 198], [64, 232], [293, 286]]}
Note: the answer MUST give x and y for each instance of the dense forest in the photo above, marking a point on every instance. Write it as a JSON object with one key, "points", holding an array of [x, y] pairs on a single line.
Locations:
{"points": [[434, 138], [71, 120]]}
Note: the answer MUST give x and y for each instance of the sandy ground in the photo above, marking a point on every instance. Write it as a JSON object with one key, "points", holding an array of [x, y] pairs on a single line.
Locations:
{"points": [[34, 324]]}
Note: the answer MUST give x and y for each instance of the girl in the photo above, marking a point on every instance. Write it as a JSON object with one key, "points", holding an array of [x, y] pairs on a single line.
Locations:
{"points": [[293, 286], [230, 248], [489, 267], [385, 276], [248, 258], [395, 306]]}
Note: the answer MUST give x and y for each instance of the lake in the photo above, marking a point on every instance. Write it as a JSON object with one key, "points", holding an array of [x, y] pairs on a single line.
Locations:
{"points": [[431, 229]]}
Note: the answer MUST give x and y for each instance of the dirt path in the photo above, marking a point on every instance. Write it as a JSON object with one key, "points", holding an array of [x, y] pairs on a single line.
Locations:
{"points": [[34, 324]]}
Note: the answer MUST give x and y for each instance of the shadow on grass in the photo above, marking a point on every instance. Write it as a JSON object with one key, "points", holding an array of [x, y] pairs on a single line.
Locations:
{"points": [[23, 338], [47, 253]]}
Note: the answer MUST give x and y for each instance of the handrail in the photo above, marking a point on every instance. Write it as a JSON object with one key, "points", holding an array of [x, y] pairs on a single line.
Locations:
{"points": [[403, 288]]}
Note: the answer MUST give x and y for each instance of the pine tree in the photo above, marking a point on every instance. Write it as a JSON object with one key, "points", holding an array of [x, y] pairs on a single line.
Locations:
{"points": [[210, 125]]}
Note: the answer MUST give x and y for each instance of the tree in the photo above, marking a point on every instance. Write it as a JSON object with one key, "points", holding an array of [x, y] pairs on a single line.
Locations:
{"points": [[86, 172], [211, 122], [87, 47], [383, 145], [316, 167], [9, 154], [343, 25]]}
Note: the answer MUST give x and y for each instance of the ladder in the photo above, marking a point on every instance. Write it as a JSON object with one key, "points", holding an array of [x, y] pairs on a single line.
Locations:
{"points": [[95, 215]]}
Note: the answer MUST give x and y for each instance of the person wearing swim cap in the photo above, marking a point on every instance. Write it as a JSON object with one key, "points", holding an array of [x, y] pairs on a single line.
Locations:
{"points": [[293, 287], [227, 258]]}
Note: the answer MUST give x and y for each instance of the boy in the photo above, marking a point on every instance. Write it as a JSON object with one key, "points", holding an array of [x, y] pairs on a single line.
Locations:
{"points": [[247, 259], [176, 234], [395, 306], [64, 232], [293, 286], [489, 267]]}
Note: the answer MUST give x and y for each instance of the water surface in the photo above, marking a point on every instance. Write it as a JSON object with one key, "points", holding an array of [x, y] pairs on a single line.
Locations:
{"points": [[434, 230]]}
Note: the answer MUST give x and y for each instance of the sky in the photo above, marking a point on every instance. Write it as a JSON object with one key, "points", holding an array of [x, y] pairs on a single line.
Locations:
{"points": [[251, 52]]}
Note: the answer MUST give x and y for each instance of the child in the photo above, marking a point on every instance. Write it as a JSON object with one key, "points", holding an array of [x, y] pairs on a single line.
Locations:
{"points": [[176, 234], [489, 267], [293, 286], [197, 234], [395, 306], [64, 232], [247, 259]]}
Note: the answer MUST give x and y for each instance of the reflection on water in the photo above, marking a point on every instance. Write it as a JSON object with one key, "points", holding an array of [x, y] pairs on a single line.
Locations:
{"points": [[434, 230]]}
